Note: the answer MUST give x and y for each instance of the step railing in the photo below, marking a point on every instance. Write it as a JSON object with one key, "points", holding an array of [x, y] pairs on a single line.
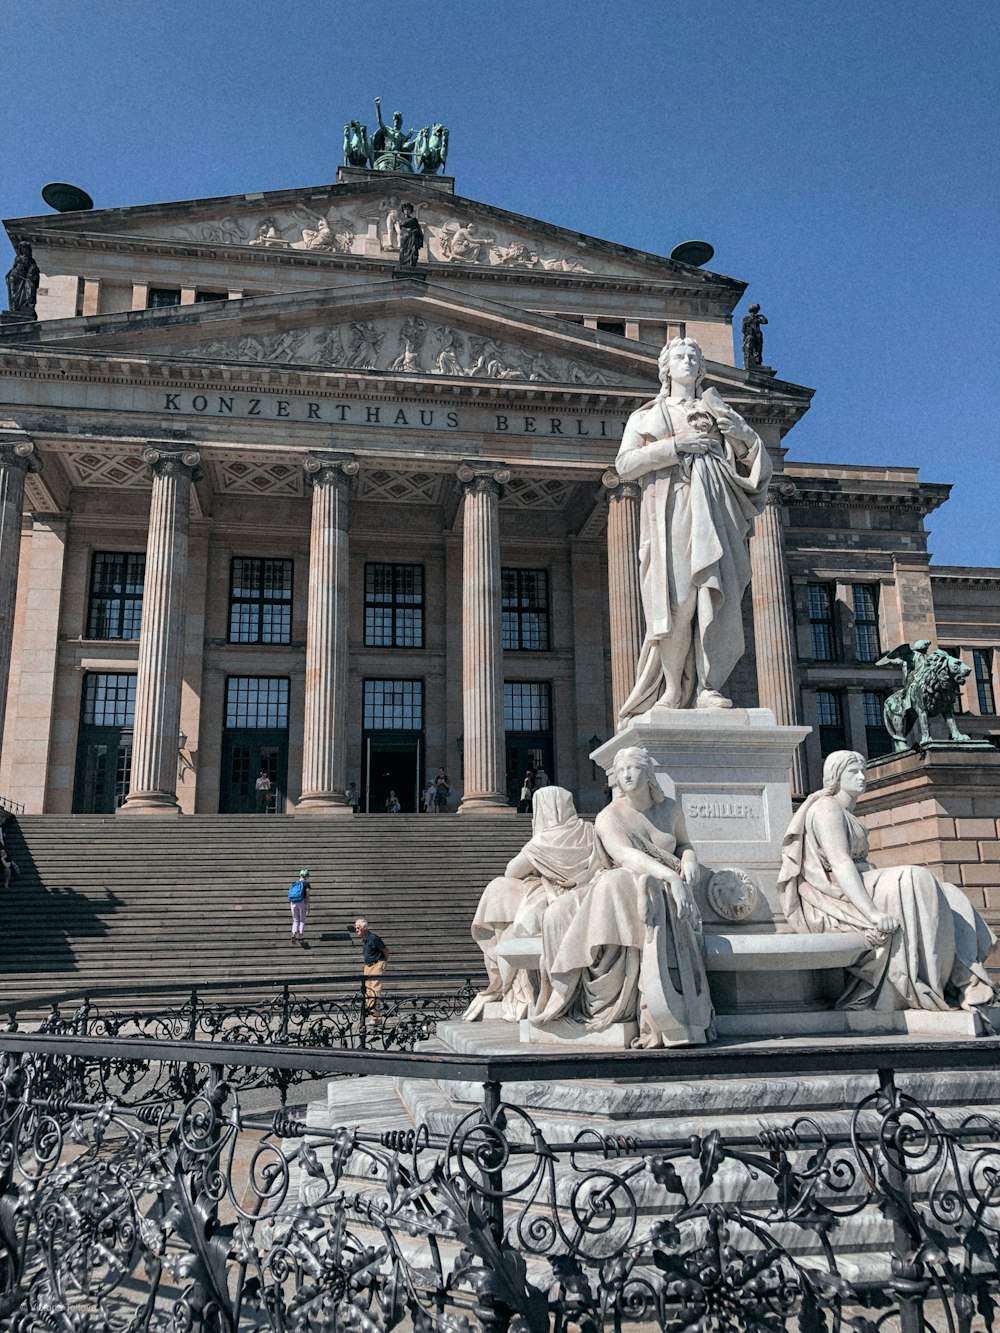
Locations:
{"points": [[201, 1213]]}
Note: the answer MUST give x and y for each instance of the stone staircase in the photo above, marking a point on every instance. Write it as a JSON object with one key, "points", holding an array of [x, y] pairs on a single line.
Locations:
{"points": [[138, 903]]}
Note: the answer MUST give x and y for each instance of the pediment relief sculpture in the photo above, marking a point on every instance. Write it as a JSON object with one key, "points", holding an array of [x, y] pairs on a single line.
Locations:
{"points": [[412, 345], [371, 227]]}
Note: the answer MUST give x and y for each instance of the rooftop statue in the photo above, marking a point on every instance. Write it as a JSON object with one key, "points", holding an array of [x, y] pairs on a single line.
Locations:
{"points": [[391, 148], [704, 476], [22, 283], [753, 338], [932, 684], [928, 944]]}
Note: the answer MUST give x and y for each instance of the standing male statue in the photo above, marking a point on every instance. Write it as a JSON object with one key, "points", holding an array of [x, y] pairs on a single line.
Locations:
{"points": [[391, 145], [704, 476]]}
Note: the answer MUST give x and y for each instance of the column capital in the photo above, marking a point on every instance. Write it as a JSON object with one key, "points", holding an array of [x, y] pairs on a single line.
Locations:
{"points": [[477, 478], [618, 489], [21, 454], [329, 469], [172, 462], [781, 491]]}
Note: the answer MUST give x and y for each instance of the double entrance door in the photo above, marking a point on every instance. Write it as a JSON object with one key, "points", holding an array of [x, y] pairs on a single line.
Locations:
{"points": [[103, 770], [391, 764], [245, 755]]}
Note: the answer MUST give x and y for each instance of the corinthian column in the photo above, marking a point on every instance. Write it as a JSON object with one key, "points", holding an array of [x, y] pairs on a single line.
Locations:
{"points": [[17, 458], [623, 584], [482, 641], [772, 619], [153, 786], [324, 749]]}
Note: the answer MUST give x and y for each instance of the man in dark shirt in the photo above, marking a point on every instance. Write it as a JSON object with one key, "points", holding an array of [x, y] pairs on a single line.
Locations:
{"points": [[374, 955]]}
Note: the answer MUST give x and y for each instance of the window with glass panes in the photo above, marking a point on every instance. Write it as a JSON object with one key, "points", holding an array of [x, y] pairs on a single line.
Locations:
{"points": [[109, 699], [866, 641], [830, 718], [394, 606], [158, 297], [116, 584], [257, 703], [527, 705], [877, 740], [821, 622], [525, 610], [394, 705], [260, 600], [982, 661]]}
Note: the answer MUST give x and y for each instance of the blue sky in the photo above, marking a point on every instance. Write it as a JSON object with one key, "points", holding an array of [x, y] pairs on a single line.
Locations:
{"points": [[842, 159]]}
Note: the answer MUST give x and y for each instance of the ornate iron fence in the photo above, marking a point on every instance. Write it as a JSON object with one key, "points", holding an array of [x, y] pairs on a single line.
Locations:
{"points": [[205, 1216], [278, 1013]]}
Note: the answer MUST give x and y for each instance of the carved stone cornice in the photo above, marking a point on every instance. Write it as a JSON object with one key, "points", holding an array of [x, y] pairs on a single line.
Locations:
{"points": [[20, 454], [172, 462], [481, 479], [618, 489], [330, 471]]}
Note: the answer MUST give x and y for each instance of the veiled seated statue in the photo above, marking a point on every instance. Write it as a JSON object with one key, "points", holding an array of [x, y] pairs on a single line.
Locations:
{"points": [[928, 943], [613, 905]]}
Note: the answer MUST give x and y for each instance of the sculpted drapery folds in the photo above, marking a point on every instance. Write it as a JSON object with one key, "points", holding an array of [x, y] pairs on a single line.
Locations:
{"points": [[928, 944], [704, 474], [612, 903]]}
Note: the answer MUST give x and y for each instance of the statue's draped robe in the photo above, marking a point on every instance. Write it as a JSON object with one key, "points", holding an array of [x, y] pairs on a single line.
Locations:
{"points": [[563, 855], [695, 516], [935, 961], [614, 951]]}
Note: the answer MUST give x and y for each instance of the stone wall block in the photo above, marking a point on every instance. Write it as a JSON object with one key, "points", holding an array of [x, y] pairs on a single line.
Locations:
{"points": [[975, 828], [979, 873]]}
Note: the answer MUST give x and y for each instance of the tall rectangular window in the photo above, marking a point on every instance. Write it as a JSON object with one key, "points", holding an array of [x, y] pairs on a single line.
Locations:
{"points": [[257, 703], [877, 740], [821, 622], [830, 718], [109, 699], [982, 661], [525, 610], [158, 297], [260, 600], [394, 606], [866, 642], [527, 706], [394, 705], [116, 584]]}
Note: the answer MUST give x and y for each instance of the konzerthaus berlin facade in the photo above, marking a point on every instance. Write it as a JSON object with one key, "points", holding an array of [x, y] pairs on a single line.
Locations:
{"points": [[270, 502]]}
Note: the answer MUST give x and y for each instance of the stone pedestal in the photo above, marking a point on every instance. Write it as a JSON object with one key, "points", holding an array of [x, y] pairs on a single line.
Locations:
{"points": [[728, 768], [940, 808]]}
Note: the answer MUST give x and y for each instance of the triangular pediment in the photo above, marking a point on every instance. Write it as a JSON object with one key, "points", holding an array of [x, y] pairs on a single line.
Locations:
{"points": [[403, 327], [360, 219]]}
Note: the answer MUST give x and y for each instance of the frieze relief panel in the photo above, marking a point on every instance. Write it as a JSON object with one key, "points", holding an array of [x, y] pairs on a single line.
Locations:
{"points": [[372, 229], [410, 346], [248, 476]]}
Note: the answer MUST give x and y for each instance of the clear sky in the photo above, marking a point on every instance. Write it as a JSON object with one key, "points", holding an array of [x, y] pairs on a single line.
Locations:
{"points": [[842, 159]]}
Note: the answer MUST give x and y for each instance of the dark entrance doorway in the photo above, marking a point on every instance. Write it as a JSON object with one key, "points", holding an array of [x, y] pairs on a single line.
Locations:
{"points": [[104, 745], [527, 720], [255, 739], [392, 763], [245, 755], [524, 752]]}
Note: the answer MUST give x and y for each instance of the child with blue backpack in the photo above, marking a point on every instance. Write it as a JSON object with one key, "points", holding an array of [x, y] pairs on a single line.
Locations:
{"points": [[298, 901]]}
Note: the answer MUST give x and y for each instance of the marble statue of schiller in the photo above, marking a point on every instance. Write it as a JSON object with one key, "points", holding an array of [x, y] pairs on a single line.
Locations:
{"points": [[704, 476]]}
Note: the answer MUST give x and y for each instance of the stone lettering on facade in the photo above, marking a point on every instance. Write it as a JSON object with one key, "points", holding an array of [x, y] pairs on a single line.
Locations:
{"points": [[716, 816]]}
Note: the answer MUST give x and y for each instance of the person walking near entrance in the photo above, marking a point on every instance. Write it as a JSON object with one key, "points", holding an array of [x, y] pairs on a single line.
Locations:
{"points": [[374, 956], [392, 806], [298, 901], [262, 790], [442, 791]]}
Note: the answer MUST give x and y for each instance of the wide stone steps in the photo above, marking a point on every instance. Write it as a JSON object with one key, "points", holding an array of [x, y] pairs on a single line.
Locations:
{"points": [[146, 902]]}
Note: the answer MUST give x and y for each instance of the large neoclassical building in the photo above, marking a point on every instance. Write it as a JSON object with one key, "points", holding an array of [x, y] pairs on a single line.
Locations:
{"points": [[272, 503]]}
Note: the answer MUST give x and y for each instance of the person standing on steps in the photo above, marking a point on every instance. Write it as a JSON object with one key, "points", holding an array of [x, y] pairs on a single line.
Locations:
{"points": [[442, 791], [298, 901], [374, 956], [392, 805], [262, 791]]}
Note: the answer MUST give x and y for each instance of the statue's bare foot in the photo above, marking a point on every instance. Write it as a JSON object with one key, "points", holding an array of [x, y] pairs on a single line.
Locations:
{"points": [[712, 699]]}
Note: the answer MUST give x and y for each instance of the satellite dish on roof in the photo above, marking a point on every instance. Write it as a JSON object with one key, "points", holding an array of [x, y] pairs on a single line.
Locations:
{"points": [[66, 198], [694, 253]]}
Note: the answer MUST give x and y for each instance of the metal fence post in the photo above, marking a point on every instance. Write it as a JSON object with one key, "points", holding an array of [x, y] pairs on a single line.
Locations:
{"points": [[908, 1280]]}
